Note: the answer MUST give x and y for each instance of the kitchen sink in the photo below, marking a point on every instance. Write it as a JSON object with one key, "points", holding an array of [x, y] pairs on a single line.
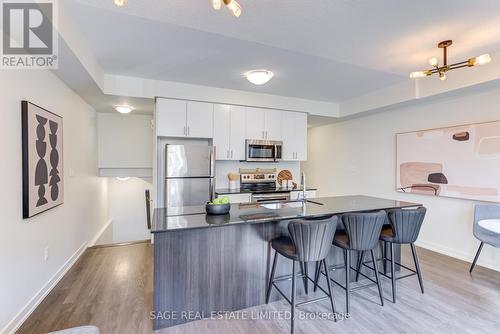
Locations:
{"points": [[282, 205], [286, 204]]}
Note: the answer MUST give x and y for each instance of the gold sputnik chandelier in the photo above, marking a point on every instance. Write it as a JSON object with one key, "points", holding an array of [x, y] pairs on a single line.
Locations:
{"points": [[442, 69], [232, 5]]}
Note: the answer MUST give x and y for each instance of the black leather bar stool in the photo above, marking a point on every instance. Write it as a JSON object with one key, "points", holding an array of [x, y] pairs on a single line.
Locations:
{"points": [[362, 232], [309, 241], [404, 229]]}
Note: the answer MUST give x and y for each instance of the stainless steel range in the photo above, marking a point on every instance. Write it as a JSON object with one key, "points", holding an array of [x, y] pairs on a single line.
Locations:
{"points": [[262, 184]]}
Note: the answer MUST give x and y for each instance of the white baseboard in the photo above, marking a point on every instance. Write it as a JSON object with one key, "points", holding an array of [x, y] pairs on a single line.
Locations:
{"points": [[26, 311], [456, 254], [99, 233]]}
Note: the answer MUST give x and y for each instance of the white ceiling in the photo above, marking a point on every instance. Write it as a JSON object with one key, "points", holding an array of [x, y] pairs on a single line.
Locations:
{"points": [[328, 50]]}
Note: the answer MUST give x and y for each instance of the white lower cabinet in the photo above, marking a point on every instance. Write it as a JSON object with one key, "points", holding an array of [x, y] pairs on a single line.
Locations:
{"points": [[238, 198]]}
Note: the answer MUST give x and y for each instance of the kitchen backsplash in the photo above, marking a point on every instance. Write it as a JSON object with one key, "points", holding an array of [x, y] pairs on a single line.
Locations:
{"points": [[225, 167]]}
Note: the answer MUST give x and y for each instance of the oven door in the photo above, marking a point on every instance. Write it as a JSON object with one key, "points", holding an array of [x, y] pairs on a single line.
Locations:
{"points": [[262, 150], [271, 197]]}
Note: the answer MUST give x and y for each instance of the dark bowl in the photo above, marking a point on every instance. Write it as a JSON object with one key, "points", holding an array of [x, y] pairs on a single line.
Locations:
{"points": [[217, 209], [218, 219]]}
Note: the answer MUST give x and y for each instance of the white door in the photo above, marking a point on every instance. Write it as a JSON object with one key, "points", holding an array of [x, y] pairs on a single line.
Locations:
{"points": [[237, 136], [288, 135], [222, 130], [301, 136], [273, 124], [200, 119], [170, 118], [255, 123]]}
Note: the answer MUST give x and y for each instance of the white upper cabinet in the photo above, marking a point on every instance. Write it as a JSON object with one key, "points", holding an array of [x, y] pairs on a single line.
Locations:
{"points": [[177, 118], [294, 125], [263, 124], [255, 123], [199, 120], [273, 123], [229, 132], [301, 136], [237, 138], [230, 126], [170, 118], [222, 131]]}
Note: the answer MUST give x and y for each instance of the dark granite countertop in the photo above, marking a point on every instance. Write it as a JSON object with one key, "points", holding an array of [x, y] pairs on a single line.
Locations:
{"points": [[227, 191], [175, 219]]}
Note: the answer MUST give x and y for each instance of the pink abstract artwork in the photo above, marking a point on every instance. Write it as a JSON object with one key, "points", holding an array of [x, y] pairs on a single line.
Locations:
{"points": [[460, 161]]}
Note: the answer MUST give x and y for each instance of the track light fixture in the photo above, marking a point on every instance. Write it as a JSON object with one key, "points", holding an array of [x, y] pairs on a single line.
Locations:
{"points": [[233, 6]]}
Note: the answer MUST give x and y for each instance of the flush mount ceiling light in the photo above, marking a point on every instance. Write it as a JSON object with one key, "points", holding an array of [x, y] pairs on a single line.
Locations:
{"points": [[233, 6], [121, 3], [441, 70], [259, 77], [124, 109]]}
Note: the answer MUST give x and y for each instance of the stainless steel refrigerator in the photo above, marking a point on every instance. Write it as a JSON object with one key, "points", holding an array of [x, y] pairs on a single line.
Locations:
{"points": [[189, 175]]}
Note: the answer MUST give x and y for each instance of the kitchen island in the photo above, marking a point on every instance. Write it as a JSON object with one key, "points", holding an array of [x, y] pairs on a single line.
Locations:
{"points": [[208, 264]]}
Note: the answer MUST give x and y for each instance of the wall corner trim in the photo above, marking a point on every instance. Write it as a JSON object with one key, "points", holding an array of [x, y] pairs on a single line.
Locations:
{"points": [[26, 311], [99, 233]]}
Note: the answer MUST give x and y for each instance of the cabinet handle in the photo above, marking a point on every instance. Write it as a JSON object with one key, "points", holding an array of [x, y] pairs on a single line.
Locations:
{"points": [[184, 131], [227, 154], [231, 154], [188, 130]]}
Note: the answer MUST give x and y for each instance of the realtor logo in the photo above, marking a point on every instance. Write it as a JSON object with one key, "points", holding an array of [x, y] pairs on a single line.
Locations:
{"points": [[29, 39]]}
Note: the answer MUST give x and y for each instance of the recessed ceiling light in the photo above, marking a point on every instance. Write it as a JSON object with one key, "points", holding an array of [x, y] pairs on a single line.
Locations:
{"points": [[259, 77], [124, 109], [123, 178], [121, 3]]}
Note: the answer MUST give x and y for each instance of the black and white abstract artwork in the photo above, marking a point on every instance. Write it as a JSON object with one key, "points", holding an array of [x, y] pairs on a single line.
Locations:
{"points": [[43, 181]]}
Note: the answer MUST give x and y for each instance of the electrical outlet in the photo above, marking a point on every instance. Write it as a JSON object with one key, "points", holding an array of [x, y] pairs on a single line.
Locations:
{"points": [[46, 253]]}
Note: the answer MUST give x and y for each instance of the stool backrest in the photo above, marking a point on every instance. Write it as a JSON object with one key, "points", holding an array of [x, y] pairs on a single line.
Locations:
{"points": [[312, 238], [406, 224], [486, 211], [363, 229]]}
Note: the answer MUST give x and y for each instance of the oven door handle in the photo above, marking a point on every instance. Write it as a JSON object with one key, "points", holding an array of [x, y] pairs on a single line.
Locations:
{"points": [[270, 197]]}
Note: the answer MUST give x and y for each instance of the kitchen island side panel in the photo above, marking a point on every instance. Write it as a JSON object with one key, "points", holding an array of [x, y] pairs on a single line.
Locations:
{"points": [[200, 271]]}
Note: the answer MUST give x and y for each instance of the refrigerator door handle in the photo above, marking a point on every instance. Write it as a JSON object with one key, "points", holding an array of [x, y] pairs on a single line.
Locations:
{"points": [[212, 161]]}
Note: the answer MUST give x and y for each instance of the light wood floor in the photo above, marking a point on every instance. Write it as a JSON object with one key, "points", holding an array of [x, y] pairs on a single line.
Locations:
{"points": [[111, 288]]}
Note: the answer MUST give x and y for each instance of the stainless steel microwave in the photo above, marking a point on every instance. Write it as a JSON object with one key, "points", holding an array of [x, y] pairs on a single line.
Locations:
{"points": [[263, 150]]}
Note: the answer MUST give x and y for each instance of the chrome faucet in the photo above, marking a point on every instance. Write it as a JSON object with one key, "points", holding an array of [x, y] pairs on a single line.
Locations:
{"points": [[303, 183]]}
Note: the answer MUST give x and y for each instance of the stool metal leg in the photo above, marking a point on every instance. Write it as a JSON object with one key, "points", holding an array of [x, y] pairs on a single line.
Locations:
{"points": [[361, 254], [293, 298], [384, 245], [476, 257], [317, 275], [393, 273], [417, 266], [330, 290], [303, 269], [377, 278], [347, 255], [271, 278]]}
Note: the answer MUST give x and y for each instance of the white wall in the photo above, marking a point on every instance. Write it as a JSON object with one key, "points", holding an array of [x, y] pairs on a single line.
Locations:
{"points": [[359, 157], [127, 209], [67, 229]]}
